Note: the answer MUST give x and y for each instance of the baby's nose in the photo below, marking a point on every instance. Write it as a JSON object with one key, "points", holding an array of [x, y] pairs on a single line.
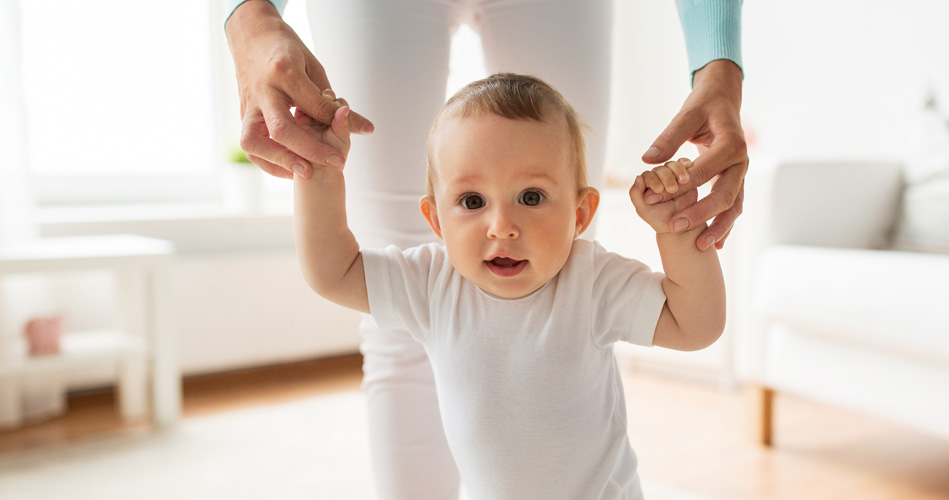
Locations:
{"points": [[502, 226]]}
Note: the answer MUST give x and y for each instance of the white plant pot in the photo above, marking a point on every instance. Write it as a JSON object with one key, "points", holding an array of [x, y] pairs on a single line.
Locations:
{"points": [[242, 187]]}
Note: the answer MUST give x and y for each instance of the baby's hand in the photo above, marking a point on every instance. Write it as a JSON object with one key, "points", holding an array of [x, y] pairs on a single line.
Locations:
{"points": [[335, 134], [652, 183]]}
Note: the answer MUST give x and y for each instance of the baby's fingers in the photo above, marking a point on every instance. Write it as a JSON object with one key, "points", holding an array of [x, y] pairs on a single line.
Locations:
{"points": [[652, 181], [637, 191], [666, 177], [681, 169], [673, 173]]}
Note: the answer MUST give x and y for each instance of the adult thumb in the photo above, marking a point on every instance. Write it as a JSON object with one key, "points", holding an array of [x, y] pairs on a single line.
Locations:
{"points": [[340, 124], [670, 140]]}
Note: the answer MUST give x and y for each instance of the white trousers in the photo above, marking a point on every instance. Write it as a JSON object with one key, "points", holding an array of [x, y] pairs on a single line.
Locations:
{"points": [[389, 59]]}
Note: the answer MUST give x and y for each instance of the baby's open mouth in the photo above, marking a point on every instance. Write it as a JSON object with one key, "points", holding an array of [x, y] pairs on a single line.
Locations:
{"points": [[505, 266]]}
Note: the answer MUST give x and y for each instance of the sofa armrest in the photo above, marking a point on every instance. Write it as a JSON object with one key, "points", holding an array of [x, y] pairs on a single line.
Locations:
{"points": [[831, 204], [828, 204]]}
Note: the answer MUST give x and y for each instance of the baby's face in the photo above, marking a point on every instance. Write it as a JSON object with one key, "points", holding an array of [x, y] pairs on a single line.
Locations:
{"points": [[506, 201]]}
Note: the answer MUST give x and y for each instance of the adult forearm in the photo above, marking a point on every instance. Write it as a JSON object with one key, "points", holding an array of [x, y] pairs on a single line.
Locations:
{"points": [[712, 30], [694, 287], [249, 21]]}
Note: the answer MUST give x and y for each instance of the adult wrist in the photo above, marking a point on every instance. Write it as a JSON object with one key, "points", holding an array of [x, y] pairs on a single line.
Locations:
{"points": [[251, 9], [250, 19], [720, 77]]}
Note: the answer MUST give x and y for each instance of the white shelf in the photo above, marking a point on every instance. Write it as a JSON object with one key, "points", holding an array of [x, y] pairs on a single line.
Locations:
{"points": [[78, 350], [87, 252], [143, 347]]}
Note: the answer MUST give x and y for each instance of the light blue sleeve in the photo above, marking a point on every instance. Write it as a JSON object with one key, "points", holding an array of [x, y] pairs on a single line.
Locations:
{"points": [[233, 4], [712, 31]]}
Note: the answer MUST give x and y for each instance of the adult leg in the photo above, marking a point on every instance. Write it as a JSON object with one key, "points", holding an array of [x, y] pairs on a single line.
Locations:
{"points": [[389, 59], [565, 42]]}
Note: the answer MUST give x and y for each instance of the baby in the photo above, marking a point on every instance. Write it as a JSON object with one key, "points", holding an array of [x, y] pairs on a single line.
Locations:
{"points": [[516, 313]]}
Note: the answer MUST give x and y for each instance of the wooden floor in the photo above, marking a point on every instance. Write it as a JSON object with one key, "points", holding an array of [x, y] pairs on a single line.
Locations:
{"points": [[689, 436]]}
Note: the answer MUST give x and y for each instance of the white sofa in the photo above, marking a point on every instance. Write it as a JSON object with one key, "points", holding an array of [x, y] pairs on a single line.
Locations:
{"points": [[830, 311]]}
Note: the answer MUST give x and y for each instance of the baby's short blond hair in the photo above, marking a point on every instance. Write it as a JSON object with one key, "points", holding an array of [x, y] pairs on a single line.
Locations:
{"points": [[517, 97]]}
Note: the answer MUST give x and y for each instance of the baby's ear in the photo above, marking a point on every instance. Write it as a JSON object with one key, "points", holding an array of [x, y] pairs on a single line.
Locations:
{"points": [[427, 205], [588, 202]]}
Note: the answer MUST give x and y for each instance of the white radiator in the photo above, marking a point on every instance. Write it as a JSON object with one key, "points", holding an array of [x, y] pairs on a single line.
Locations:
{"points": [[232, 310], [252, 309]]}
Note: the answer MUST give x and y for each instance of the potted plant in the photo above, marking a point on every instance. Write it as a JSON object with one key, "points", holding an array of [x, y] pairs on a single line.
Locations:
{"points": [[241, 182]]}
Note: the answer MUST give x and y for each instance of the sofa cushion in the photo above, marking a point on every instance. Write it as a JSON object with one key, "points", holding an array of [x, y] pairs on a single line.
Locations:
{"points": [[896, 301], [923, 224], [807, 207]]}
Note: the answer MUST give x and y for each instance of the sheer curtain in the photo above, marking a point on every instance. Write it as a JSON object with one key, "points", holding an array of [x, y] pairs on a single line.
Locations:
{"points": [[43, 397], [16, 204]]}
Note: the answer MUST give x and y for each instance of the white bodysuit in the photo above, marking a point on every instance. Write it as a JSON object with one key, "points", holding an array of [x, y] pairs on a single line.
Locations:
{"points": [[529, 391]]}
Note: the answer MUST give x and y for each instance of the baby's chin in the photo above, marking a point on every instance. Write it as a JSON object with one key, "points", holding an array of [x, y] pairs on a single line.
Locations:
{"points": [[506, 288], [509, 284]]}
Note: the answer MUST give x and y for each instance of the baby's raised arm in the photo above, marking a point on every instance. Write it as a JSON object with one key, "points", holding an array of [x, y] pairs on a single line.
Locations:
{"points": [[694, 314], [328, 252]]}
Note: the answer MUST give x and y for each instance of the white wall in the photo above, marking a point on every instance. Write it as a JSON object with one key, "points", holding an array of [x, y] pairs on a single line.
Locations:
{"points": [[823, 79], [650, 78], [842, 78]]}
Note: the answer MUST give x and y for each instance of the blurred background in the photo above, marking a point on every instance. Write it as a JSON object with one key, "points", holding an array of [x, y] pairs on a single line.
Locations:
{"points": [[123, 117]]}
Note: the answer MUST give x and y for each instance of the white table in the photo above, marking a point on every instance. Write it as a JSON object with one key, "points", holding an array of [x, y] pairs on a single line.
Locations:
{"points": [[144, 339]]}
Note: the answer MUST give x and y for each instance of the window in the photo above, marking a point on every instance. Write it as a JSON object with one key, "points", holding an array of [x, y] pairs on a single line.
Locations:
{"points": [[117, 99], [135, 102]]}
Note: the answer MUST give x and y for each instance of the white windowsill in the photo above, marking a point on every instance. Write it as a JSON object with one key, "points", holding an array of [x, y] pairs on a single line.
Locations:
{"points": [[194, 228]]}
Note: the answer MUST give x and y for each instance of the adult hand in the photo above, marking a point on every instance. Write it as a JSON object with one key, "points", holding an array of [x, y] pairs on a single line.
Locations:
{"points": [[276, 72], [710, 120]]}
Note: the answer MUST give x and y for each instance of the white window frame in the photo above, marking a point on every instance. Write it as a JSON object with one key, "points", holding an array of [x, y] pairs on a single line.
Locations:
{"points": [[57, 191]]}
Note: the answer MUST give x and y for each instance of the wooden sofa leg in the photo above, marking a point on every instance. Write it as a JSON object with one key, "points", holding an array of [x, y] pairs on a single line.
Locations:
{"points": [[763, 417]]}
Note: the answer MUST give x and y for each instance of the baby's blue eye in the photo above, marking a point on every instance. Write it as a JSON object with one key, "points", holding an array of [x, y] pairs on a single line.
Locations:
{"points": [[532, 198], [472, 201]]}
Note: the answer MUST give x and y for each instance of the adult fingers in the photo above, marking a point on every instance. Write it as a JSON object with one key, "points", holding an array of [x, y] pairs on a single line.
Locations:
{"points": [[284, 130], [256, 141], [682, 127], [321, 104], [727, 149], [726, 195], [725, 153], [722, 226], [271, 154], [721, 243], [304, 94], [358, 124], [340, 123], [686, 200], [270, 168]]}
